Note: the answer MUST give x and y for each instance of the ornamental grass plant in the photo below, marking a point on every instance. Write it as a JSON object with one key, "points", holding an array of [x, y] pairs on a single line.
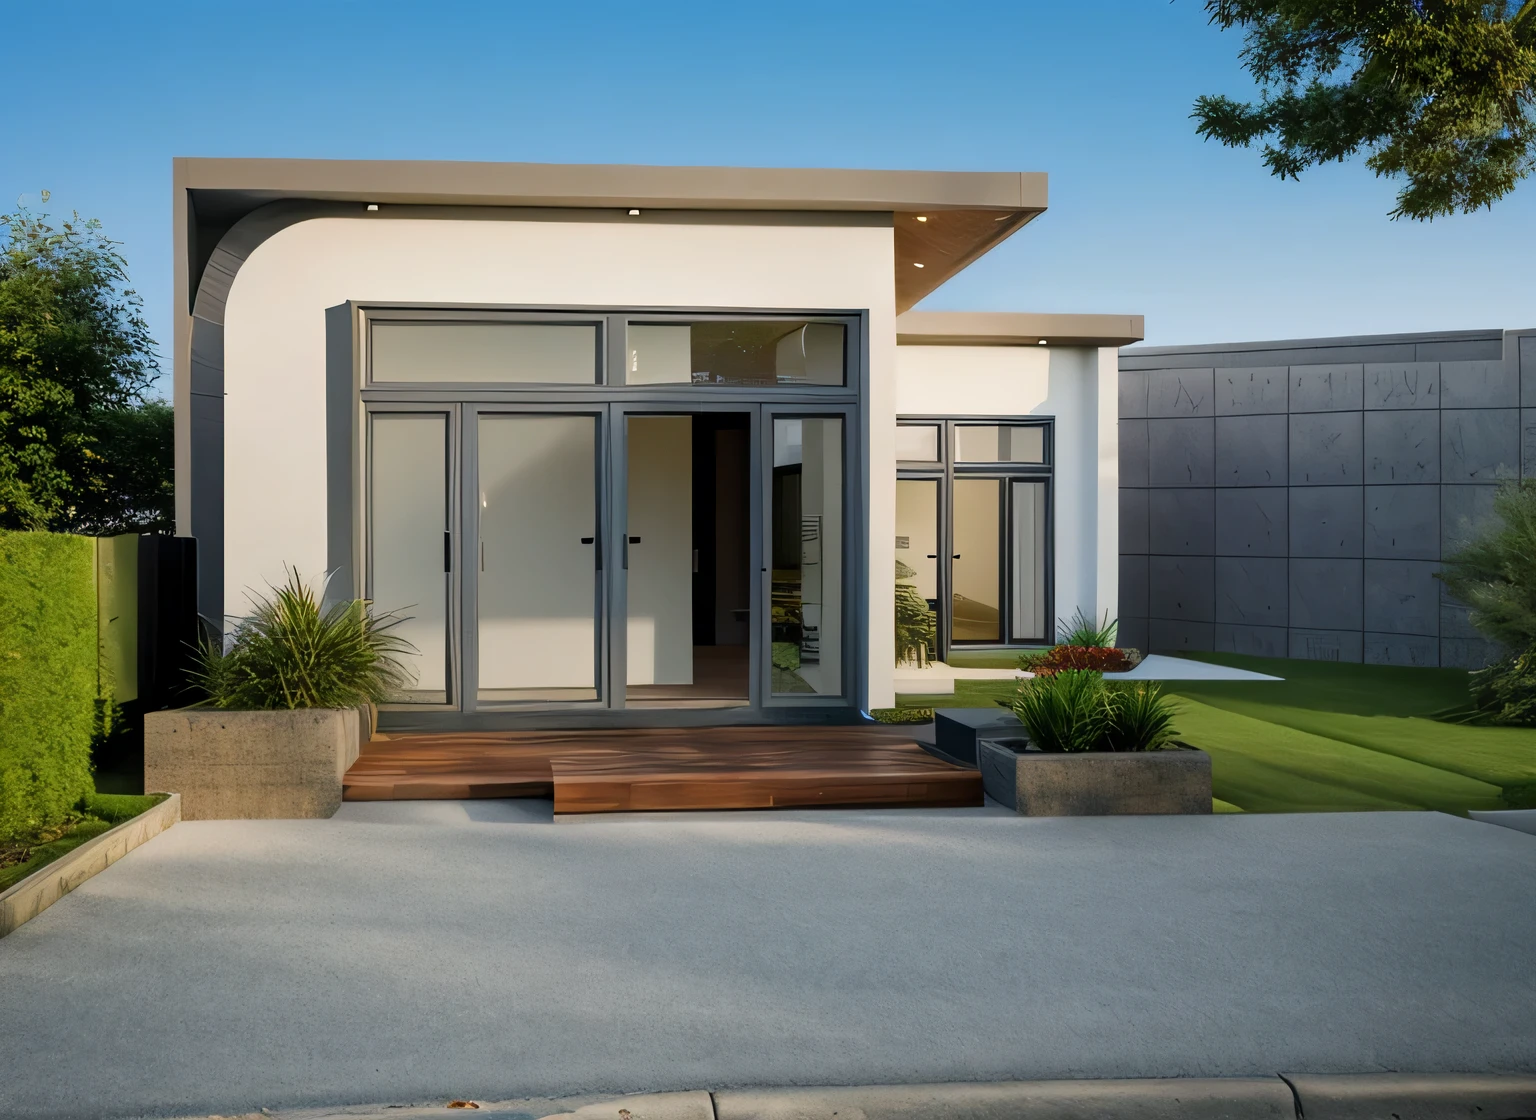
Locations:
{"points": [[290, 653], [1075, 710]]}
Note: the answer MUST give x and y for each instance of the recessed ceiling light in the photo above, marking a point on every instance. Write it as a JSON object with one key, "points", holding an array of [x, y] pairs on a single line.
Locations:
{"points": [[922, 218], [634, 213], [1042, 342], [373, 206], [917, 264]]}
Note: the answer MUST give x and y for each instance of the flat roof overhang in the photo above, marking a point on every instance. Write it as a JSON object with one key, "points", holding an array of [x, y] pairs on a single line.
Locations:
{"points": [[1016, 328], [966, 212]]}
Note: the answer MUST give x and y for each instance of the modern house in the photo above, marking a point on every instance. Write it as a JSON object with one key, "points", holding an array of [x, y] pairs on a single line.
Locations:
{"points": [[637, 445]]}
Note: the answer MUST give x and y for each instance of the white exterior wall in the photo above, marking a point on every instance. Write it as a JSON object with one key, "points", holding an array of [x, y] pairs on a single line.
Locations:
{"points": [[1079, 388], [274, 344]]}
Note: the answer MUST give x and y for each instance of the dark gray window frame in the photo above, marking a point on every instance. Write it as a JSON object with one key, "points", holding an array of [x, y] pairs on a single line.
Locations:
{"points": [[615, 402], [945, 471], [611, 365]]}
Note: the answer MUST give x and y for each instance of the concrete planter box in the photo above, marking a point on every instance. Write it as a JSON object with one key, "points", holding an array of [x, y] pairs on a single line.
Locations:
{"points": [[1092, 783], [253, 765]]}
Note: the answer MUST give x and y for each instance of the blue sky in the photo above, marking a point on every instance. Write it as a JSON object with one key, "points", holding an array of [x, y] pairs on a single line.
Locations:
{"points": [[1144, 216]]}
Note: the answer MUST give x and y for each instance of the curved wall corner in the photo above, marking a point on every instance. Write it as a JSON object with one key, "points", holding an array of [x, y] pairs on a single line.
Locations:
{"points": [[205, 474]]}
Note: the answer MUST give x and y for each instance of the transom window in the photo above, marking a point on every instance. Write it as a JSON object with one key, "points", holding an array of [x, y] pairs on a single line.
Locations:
{"points": [[610, 349]]}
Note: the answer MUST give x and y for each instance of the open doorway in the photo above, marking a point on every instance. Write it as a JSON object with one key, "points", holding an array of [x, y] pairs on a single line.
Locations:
{"points": [[688, 561]]}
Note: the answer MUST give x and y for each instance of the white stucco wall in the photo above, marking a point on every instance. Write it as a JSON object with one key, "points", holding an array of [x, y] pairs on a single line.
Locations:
{"points": [[274, 343], [1079, 389]]}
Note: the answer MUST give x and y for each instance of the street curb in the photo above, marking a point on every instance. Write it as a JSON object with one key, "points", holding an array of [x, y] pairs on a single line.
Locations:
{"points": [[1364, 1096], [1236, 1098], [695, 1105], [51, 882], [1406, 1096]]}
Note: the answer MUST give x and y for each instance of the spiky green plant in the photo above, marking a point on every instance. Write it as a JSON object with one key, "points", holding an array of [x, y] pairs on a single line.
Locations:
{"points": [[1139, 717], [1077, 710], [1082, 630], [1063, 712], [289, 653]]}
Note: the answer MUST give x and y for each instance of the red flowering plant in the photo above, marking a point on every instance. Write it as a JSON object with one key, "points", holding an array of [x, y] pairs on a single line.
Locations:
{"points": [[1088, 646], [1096, 659]]}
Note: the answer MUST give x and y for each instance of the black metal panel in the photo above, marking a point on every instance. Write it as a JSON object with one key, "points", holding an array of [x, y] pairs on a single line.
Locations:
{"points": [[169, 629]]}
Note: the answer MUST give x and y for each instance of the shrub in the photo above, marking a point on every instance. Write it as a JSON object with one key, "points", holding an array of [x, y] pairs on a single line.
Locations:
{"points": [[902, 715], [1083, 631], [1076, 710], [1505, 691], [48, 677], [1064, 711], [291, 654], [1495, 575], [1095, 659], [1140, 717]]}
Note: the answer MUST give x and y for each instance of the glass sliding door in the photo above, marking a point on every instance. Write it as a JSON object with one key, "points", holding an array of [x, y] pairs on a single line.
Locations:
{"points": [[807, 544], [917, 569], [1027, 561], [409, 541], [539, 557], [659, 560], [976, 612]]}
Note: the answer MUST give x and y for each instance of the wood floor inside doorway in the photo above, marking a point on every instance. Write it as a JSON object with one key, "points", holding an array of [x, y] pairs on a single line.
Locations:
{"points": [[638, 769]]}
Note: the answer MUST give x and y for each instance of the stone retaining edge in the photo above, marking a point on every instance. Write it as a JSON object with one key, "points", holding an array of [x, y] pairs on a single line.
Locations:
{"points": [[51, 882], [1365, 1096]]}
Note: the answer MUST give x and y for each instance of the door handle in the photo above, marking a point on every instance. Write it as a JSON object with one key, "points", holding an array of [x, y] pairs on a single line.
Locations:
{"points": [[586, 540], [956, 556], [933, 556], [634, 540], [447, 551]]}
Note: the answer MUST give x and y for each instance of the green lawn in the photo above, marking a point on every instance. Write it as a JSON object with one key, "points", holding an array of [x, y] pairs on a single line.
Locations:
{"points": [[1335, 737], [100, 812]]}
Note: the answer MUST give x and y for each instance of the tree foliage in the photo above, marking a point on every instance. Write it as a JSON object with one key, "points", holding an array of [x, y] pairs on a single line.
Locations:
{"points": [[80, 447], [1495, 575], [1495, 572], [1440, 93]]}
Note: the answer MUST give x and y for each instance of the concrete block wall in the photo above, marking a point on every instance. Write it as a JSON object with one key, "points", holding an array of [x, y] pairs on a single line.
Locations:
{"points": [[1293, 499]]}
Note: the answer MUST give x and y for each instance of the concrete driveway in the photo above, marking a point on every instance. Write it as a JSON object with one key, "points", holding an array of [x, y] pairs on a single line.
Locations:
{"points": [[409, 952]]}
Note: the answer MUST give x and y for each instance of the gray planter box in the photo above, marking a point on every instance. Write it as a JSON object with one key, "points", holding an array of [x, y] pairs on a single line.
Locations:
{"points": [[1090, 784], [957, 731], [252, 765]]}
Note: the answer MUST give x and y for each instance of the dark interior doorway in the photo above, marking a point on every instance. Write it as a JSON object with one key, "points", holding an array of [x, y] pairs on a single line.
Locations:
{"points": [[722, 586]]}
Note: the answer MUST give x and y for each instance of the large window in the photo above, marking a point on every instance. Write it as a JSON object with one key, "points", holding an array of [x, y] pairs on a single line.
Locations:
{"points": [[973, 534]]}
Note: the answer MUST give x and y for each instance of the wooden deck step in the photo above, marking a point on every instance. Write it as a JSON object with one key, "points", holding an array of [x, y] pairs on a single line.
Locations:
{"points": [[666, 769]]}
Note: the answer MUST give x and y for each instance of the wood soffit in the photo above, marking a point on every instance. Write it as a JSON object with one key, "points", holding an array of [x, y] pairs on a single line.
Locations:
{"points": [[966, 213]]}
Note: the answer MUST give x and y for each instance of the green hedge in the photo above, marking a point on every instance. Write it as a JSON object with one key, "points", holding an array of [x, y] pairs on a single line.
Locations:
{"points": [[48, 676]]}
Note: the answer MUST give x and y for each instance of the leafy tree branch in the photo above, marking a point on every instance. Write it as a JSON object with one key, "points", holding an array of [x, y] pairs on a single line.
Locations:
{"points": [[1439, 93]]}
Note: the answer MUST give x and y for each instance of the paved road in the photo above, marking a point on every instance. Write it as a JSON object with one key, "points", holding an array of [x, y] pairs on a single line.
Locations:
{"points": [[409, 952]]}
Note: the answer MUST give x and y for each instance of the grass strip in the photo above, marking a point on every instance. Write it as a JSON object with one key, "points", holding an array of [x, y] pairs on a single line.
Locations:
{"points": [[1261, 766], [100, 813]]}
